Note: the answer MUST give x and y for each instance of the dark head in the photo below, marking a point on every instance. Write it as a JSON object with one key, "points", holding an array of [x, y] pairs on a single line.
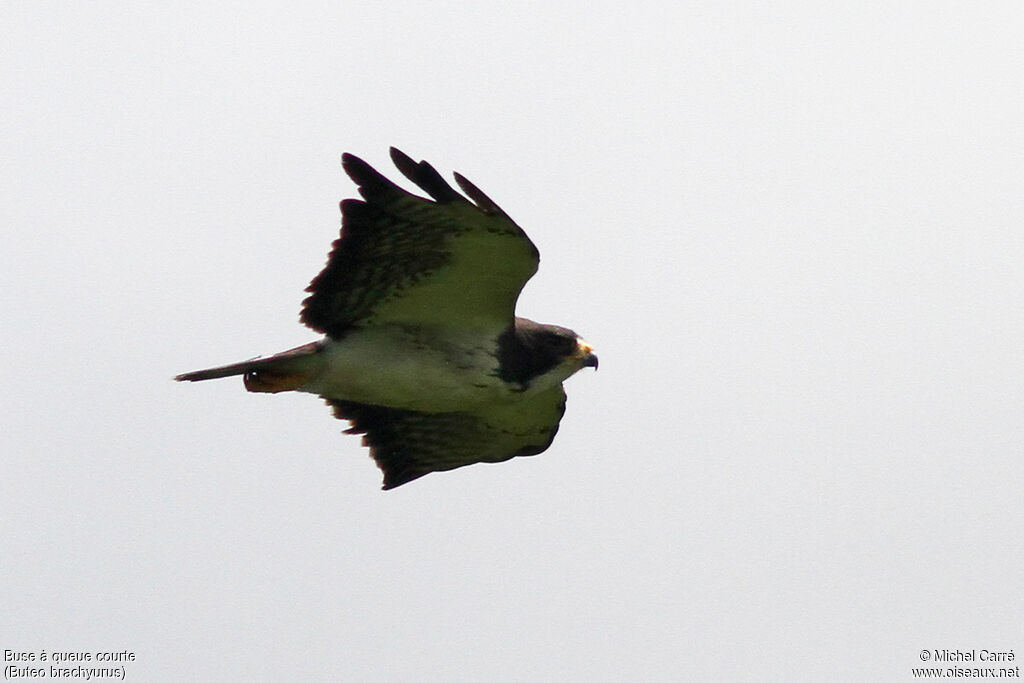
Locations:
{"points": [[529, 350]]}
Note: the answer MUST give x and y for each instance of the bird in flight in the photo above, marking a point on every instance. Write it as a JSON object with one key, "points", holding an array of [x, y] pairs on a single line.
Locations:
{"points": [[424, 354]]}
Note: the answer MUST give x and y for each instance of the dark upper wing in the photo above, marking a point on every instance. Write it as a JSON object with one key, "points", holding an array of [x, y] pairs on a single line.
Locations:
{"points": [[407, 444], [405, 259]]}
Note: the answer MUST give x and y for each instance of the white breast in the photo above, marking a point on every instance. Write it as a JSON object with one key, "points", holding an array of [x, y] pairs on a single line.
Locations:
{"points": [[411, 368]]}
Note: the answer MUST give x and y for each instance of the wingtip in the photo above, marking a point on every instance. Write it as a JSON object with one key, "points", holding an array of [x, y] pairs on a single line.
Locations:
{"points": [[404, 163], [395, 478], [425, 177], [369, 180], [347, 159], [399, 157], [354, 166], [485, 203]]}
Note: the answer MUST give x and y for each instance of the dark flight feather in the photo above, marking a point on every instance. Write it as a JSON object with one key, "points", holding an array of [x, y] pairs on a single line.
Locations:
{"points": [[407, 259]]}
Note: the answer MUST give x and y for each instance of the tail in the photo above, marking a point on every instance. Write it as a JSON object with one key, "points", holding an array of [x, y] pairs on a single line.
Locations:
{"points": [[285, 371]]}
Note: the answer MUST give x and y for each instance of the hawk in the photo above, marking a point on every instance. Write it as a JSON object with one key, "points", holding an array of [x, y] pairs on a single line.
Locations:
{"points": [[424, 354]]}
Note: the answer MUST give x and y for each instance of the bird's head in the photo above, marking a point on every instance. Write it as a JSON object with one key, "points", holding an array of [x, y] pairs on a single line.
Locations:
{"points": [[532, 350], [584, 354]]}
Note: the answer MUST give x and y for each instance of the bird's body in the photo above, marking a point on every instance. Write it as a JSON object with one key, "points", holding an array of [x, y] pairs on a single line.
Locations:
{"points": [[412, 368], [423, 351]]}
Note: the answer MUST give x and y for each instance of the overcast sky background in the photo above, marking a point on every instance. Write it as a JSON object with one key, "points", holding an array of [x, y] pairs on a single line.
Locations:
{"points": [[793, 233]]}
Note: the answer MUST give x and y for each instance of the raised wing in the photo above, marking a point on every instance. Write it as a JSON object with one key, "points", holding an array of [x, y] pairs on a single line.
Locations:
{"points": [[408, 444], [408, 260]]}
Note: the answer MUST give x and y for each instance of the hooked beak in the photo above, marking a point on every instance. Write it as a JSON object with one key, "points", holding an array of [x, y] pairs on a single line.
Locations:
{"points": [[586, 352]]}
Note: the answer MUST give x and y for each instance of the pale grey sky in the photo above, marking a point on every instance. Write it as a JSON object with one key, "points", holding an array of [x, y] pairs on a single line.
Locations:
{"points": [[794, 234]]}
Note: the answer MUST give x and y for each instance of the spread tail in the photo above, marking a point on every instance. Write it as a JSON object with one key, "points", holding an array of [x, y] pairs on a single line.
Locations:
{"points": [[283, 371]]}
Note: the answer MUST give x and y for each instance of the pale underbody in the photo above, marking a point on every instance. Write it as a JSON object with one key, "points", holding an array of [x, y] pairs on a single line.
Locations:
{"points": [[413, 368]]}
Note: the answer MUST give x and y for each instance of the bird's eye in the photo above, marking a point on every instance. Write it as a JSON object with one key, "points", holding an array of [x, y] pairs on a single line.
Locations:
{"points": [[561, 345]]}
